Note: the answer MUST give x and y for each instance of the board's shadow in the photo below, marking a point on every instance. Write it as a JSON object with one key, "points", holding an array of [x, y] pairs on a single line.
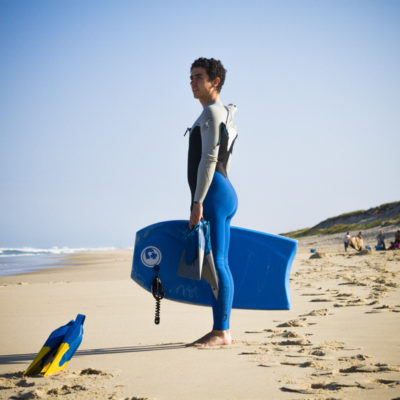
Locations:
{"points": [[24, 358]]}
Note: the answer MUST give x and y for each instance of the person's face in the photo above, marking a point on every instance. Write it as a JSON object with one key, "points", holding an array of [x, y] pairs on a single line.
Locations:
{"points": [[202, 86]]}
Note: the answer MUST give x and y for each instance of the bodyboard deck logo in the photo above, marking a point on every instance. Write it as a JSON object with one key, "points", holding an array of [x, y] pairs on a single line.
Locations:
{"points": [[151, 256]]}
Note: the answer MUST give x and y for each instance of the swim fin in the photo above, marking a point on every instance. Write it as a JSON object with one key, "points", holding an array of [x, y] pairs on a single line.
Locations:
{"points": [[197, 260], [209, 272], [58, 348], [192, 259]]}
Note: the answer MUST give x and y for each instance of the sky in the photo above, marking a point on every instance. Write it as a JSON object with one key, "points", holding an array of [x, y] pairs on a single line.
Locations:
{"points": [[95, 99]]}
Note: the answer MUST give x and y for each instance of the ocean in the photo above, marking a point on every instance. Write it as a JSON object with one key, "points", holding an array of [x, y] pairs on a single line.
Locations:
{"points": [[14, 261]]}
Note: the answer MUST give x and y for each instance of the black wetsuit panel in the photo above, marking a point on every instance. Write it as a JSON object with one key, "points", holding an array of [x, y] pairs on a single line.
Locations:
{"points": [[224, 153], [194, 157]]}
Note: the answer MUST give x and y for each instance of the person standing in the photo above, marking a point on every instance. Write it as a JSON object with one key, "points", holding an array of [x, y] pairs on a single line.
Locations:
{"points": [[213, 197], [381, 241], [346, 240]]}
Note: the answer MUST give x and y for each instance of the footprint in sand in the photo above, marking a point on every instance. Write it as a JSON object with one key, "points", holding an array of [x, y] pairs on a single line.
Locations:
{"points": [[306, 364], [335, 386], [248, 353], [136, 398], [330, 345], [34, 394], [379, 367], [351, 303], [315, 387], [311, 294], [65, 390], [293, 323], [286, 334], [388, 308], [318, 352], [293, 342], [340, 295], [302, 389], [91, 371], [357, 357], [386, 282], [389, 382], [354, 282], [316, 313], [290, 334], [24, 383], [321, 300]]}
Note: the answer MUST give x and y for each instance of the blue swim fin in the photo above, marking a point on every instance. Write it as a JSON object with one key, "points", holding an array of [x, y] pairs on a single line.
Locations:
{"points": [[192, 258], [197, 260], [192, 243], [58, 348]]}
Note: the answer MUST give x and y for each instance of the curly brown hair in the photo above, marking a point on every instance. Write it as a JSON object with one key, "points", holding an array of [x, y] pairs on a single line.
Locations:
{"points": [[214, 69]]}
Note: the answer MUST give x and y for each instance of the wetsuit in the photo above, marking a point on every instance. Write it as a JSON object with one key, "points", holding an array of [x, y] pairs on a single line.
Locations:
{"points": [[211, 141]]}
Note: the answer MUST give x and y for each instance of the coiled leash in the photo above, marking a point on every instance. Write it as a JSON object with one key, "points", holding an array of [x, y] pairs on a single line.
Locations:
{"points": [[158, 293]]}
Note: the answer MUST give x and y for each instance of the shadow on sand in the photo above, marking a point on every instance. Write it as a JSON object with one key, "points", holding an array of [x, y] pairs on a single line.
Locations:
{"points": [[23, 358]]}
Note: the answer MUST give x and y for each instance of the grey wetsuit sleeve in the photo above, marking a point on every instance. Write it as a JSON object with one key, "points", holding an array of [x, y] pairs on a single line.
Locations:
{"points": [[210, 122]]}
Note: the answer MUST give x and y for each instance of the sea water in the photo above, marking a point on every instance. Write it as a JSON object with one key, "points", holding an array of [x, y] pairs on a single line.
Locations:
{"points": [[15, 261]]}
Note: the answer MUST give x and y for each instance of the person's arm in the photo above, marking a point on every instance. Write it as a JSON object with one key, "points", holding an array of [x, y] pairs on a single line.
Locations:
{"points": [[209, 156], [209, 129]]}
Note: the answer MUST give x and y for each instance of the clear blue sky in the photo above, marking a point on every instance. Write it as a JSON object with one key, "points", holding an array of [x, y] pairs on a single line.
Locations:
{"points": [[95, 98]]}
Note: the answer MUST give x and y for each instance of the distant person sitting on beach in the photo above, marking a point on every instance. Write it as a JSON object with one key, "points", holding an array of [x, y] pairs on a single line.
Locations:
{"points": [[357, 242], [360, 239], [381, 241], [396, 244], [346, 240]]}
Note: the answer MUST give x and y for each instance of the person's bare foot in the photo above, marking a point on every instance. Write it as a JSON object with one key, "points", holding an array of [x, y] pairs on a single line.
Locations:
{"points": [[214, 338]]}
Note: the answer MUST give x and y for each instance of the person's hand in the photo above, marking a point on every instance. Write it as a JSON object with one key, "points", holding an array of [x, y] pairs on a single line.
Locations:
{"points": [[196, 216]]}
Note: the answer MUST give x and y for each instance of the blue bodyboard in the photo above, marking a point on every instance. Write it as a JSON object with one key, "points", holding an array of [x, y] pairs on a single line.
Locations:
{"points": [[260, 264]]}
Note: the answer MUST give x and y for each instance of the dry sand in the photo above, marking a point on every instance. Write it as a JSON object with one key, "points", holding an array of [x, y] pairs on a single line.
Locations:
{"points": [[340, 340]]}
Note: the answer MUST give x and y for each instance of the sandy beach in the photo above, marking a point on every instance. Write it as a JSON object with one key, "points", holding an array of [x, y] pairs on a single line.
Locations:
{"points": [[340, 340]]}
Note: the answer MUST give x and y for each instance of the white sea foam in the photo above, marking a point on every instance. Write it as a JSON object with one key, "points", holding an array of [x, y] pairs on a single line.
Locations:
{"points": [[18, 260], [31, 251]]}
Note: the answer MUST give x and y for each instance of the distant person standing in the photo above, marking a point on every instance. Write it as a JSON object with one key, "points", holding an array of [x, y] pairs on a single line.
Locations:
{"points": [[346, 240], [381, 241]]}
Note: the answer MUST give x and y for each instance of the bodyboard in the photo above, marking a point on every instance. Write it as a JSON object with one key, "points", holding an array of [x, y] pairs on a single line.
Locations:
{"points": [[260, 264]]}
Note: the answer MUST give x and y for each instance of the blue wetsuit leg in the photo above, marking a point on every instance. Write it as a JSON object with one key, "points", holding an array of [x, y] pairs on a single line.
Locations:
{"points": [[219, 207]]}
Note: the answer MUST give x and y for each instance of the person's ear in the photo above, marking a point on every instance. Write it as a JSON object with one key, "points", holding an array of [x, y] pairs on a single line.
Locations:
{"points": [[216, 82]]}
